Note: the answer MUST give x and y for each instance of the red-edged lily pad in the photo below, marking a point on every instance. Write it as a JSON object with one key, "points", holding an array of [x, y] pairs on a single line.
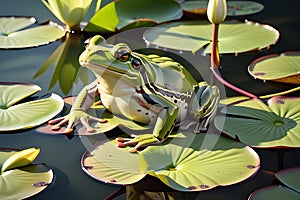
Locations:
{"points": [[188, 162], [289, 189], [19, 178], [18, 111], [275, 123], [283, 67]]}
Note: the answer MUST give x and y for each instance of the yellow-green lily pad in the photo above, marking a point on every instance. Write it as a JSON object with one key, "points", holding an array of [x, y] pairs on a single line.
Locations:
{"points": [[275, 123], [112, 122], [283, 68], [18, 111], [191, 162], [234, 8], [24, 179], [234, 37], [14, 32], [289, 189]]}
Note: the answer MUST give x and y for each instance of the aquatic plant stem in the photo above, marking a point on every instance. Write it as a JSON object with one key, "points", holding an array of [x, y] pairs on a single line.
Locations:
{"points": [[215, 64]]}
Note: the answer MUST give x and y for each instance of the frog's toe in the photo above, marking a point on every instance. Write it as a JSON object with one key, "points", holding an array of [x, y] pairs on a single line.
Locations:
{"points": [[68, 131]]}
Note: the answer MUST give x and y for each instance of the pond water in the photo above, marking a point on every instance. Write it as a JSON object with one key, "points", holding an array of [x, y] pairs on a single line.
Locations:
{"points": [[63, 154]]}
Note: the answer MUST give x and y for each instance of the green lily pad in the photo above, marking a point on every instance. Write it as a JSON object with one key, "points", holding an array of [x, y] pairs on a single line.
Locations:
{"points": [[17, 111], [188, 162], [13, 32], [119, 14], [25, 180], [254, 123], [234, 8], [288, 190], [112, 121], [284, 68], [234, 37]]}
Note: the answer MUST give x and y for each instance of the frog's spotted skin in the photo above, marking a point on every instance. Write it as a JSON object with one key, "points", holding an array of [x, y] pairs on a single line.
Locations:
{"points": [[143, 88]]}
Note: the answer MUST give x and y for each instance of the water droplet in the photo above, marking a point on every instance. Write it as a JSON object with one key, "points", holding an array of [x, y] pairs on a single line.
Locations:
{"points": [[278, 123], [251, 166], [180, 52]]}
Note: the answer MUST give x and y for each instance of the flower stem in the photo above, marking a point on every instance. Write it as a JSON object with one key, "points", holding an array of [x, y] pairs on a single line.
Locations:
{"points": [[215, 64]]}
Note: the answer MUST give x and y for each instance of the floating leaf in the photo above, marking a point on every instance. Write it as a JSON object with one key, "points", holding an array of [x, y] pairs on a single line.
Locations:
{"points": [[22, 181], [112, 121], [288, 190], [16, 114], [14, 35], [275, 124], [119, 14], [281, 68], [234, 8], [191, 162], [234, 37]]}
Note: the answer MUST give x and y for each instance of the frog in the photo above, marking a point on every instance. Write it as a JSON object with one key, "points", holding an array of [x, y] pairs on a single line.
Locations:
{"points": [[144, 88]]}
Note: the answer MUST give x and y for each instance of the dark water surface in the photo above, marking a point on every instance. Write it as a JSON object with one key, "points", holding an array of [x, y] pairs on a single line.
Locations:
{"points": [[63, 155]]}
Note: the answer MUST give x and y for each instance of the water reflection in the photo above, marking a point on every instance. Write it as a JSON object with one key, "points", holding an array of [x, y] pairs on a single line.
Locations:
{"points": [[65, 61]]}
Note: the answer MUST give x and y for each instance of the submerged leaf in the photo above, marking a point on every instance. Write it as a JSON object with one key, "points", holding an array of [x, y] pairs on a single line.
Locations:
{"points": [[275, 124], [14, 35], [234, 37], [281, 68]]}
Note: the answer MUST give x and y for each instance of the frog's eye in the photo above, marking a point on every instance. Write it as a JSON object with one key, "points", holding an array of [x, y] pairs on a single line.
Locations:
{"points": [[122, 54], [136, 64]]}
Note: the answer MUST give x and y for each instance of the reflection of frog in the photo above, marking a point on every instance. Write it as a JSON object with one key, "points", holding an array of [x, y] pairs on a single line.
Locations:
{"points": [[143, 88]]}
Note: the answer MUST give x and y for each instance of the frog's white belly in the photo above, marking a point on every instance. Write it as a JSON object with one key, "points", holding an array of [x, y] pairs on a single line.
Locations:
{"points": [[122, 99]]}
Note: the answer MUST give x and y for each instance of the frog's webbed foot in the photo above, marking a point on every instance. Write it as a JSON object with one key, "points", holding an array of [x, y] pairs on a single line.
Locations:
{"points": [[137, 141], [76, 115]]}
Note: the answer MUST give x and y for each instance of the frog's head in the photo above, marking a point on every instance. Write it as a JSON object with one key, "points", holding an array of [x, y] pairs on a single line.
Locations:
{"points": [[111, 60]]}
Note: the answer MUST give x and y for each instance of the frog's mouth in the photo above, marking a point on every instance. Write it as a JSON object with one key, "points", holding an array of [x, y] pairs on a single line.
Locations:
{"points": [[107, 69]]}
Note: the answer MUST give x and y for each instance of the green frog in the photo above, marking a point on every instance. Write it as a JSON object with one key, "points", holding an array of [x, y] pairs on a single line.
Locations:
{"points": [[148, 89]]}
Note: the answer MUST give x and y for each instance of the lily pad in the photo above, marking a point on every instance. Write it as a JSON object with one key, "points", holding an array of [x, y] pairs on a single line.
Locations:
{"points": [[254, 123], [283, 67], [13, 32], [289, 189], [119, 14], [22, 179], [189, 162], [234, 37], [112, 121], [18, 111], [234, 8]]}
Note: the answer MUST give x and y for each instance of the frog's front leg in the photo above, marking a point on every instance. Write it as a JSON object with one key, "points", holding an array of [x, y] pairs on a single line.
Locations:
{"points": [[83, 101], [204, 105], [167, 114]]}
